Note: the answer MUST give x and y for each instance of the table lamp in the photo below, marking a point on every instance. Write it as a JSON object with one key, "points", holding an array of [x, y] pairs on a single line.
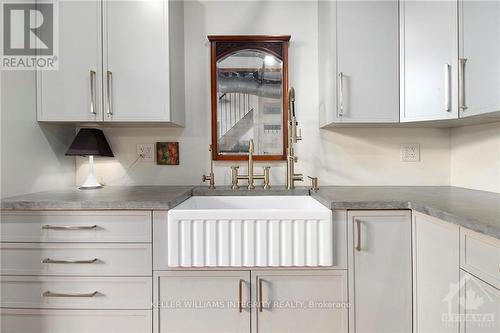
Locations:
{"points": [[90, 142]]}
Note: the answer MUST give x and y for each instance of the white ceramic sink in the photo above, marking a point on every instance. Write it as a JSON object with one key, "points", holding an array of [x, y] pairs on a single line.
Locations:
{"points": [[250, 231]]}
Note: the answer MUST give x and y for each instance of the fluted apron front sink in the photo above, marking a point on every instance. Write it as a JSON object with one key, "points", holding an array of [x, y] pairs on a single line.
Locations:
{"points": [[250, 231]]}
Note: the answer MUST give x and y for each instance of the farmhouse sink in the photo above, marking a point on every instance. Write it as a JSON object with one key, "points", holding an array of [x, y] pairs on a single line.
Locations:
{"points": [[250, 231]]}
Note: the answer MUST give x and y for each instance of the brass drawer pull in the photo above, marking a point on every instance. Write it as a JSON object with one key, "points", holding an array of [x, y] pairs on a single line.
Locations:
{"points": [[109, 88], [68, 227], [92, 92], [461, 82], [240, 295], [51, 294], [358, 226], [52, 261], [261, 307]]}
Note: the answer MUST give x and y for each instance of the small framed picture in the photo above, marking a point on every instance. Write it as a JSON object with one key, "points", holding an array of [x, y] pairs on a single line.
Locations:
{"points": [[167, 153]]}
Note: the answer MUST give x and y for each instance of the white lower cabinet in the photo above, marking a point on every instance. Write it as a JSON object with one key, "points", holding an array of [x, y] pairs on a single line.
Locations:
{"points": [[479, 306], [300, 301], [64, 292], [76, 272], [75, 321], [380, 271], [436, 271], [281, 301], [202, 301], [130, 259]]}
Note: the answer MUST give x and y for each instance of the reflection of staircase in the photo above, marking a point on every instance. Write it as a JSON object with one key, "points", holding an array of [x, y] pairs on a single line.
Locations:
{"points": [[228, 142]]}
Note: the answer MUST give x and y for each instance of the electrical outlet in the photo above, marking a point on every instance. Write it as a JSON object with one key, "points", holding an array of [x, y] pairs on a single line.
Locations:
{"points": [[410, 152], [146, 152]]}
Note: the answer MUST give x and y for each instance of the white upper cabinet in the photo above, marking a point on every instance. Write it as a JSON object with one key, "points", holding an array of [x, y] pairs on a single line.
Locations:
{"points": [[72, 93], [360, 67], [429, 60], [136, 61], [141, 77], [480, 57], [367, 60]]}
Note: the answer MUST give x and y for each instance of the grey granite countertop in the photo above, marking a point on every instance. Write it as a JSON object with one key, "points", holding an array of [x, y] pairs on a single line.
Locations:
{"points": [[128, 197], [109, 197], [475, 210]]}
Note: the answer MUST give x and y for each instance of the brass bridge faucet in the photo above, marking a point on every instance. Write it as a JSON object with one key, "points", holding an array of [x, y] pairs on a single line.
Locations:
{"points": [[250, 177]]}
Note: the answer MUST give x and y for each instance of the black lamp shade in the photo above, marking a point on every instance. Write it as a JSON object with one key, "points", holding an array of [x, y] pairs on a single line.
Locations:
{"points": [[90, 142]]}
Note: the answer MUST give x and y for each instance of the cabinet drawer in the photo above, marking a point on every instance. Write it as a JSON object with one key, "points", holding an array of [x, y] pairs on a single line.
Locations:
{"points": [[75, 259], [480, 256], [76, 292], [75, 321], [76, 226]]}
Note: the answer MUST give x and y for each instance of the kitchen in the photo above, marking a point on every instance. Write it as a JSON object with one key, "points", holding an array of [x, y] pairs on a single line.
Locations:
{"points": [[449, 192]]}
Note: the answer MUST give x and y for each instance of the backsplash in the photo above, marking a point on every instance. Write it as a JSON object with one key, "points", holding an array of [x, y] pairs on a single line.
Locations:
{"points": [[475, 157]]}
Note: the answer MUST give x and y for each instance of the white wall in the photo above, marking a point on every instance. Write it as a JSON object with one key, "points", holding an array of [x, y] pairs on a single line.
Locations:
{"points": [[32, 155], [475, 157], [341, 156]]}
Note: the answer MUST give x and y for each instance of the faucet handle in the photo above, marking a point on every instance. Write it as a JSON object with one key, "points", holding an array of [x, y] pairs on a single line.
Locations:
{"points": [[211, 179], [267, 172], [234, 177], [314, 183]]}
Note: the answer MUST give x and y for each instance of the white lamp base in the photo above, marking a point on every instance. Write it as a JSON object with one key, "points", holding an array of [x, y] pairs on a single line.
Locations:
{"points": [[91, 181]]}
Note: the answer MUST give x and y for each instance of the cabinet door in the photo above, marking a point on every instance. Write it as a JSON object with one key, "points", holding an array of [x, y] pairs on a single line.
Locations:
{"points": [[300, 301], [73, 93], [367, 58], [436, 270], [429, 60], [480, 305], [202, 301], [479, 36], [136, 58], [380, 266]]}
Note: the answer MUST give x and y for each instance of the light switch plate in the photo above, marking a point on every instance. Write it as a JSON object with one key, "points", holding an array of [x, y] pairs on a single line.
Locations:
{"points": [[146, 152], [410, 152]]}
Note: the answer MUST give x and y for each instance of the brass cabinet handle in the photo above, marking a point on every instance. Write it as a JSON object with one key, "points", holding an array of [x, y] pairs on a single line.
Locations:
{"points": [[92, 92], [260, 296], [447, 87], [69, 227], [109, 109], [341, 94], [358, 226], [51, 294], [461, 83], [52, 261], [240, 295]]}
